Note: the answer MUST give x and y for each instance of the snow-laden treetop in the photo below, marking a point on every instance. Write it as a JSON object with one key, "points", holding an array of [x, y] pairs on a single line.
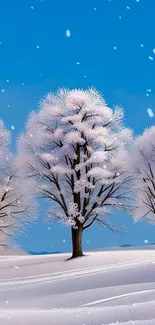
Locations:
{"points": [[75, 147], [142, 164]]}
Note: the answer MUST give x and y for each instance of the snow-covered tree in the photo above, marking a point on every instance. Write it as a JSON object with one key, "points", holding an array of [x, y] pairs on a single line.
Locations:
{"points": [[142, 164], [75, 148], [16, 204]]}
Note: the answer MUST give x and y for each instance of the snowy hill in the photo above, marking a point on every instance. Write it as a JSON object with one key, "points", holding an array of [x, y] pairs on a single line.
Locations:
{"points": [[109, 287], [43, 253], [126, 246]]}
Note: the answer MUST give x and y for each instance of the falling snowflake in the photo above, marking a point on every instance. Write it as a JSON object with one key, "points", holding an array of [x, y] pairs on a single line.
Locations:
{"points": [[32, 7], [94, 8], [23, 84], [142, 45], [153, 51], [115, 48], [150, 112], [137, 0], [85, 76], [12, 127], [128, 7], [78, 63], [7, 80], [147, 94], [7, 302], [120, 17], [37, 46], [16, 267], [64, 240], [150, 58], [2, 90], [148, 90], [49, 228], [68, 33], [146, 241]]}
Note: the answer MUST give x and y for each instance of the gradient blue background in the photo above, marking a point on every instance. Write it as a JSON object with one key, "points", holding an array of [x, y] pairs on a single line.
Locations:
{"points": [[122, 75]]}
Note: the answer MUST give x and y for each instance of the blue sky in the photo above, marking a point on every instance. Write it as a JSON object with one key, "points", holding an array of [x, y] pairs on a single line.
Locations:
{"points": [[37, 57]]}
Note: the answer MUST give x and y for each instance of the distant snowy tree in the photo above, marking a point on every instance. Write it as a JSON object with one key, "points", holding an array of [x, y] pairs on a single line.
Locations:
{"points": [[75, 148], [15, 202], [142, 164]]}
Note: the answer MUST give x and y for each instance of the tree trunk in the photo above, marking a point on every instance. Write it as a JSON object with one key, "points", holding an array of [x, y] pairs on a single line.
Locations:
{"points": [[77, 242]]}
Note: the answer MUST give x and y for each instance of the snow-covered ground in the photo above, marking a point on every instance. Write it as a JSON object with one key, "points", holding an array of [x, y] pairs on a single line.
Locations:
{"points": [[108, 287]]}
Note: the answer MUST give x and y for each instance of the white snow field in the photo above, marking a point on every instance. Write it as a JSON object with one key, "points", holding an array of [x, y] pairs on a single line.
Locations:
{"points": [[106, 287]]}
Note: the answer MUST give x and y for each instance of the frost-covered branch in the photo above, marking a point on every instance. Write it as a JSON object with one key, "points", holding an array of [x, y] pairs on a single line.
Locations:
{"points": [[16, 204], [143, 168]]}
